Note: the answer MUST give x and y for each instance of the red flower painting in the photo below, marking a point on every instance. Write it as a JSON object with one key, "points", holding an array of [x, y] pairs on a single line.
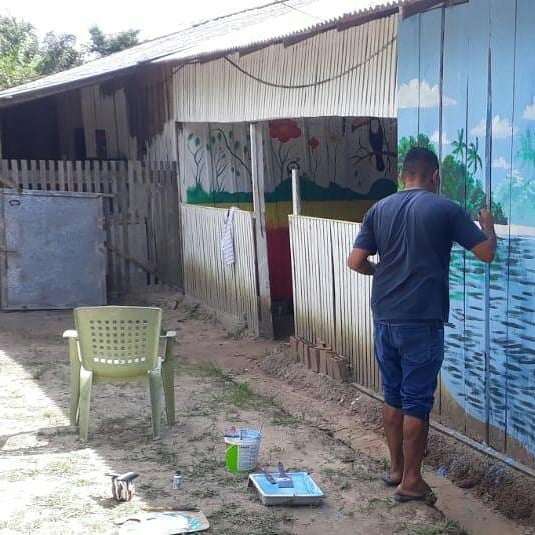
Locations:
{"points": [[284, 130], [313, 143]]}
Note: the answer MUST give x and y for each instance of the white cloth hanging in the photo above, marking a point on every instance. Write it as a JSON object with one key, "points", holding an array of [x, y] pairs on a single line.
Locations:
{"points": [[227, 241]]}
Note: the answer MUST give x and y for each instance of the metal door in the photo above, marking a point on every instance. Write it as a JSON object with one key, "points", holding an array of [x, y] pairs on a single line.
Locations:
{"points": [[51, 250]]}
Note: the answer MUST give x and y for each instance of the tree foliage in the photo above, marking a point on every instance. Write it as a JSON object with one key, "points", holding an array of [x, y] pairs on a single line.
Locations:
{"points": [[23, 58], [458, 182], [105, 44], [18, 50], [58, 53]]}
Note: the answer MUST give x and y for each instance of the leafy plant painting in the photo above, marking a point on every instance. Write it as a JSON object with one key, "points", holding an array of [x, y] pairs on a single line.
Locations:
{"points": [[196, 151], [526, 153], [228, 162], [336, 130], [218, 161], [282, 131], [458, 182]]}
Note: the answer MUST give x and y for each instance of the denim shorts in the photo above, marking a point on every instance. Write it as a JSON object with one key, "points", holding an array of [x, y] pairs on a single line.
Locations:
{"points": [[410, 356]]}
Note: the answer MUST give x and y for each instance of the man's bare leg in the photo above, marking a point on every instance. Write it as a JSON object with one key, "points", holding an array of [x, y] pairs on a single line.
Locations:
{"points": [[393, 426], [414, 444]]}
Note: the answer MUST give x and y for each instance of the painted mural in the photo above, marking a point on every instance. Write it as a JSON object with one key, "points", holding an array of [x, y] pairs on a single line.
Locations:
{"points": [[345, 164], [480, 119]]}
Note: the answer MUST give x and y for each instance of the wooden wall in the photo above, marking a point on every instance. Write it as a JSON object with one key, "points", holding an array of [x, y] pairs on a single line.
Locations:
{"points": [[467, 90], [140, 208]]}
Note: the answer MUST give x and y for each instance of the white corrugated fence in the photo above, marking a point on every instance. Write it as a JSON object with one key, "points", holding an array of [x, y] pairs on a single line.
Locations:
{"points": [[230, 288], [332, 303]]}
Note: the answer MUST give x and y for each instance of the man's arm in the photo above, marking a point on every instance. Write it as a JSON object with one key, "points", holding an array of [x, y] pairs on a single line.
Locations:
{"points": [[358, 261], [486, 250]]}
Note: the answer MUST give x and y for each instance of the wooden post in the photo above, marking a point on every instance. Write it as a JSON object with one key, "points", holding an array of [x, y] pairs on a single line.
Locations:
{"points": [[257, 176], [296, 191]]}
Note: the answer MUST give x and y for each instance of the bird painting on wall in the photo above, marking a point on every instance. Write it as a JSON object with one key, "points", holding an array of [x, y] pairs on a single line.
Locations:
{"points": [[376, 138]]}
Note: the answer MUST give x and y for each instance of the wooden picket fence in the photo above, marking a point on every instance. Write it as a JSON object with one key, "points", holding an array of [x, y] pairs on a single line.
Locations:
{"points": [[332, 303], [228, 288], [140, 207]]}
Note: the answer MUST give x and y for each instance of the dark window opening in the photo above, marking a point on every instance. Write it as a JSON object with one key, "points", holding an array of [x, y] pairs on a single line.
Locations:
{"points": [[100, 141], [79, 144]]}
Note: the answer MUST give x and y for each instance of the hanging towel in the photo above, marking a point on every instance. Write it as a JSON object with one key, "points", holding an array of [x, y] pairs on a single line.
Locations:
{"points": [[227, 241]]}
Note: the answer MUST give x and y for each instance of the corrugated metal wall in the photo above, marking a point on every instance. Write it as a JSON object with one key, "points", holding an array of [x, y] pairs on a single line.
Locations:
{"points": [[332, 303], [359, 64]]}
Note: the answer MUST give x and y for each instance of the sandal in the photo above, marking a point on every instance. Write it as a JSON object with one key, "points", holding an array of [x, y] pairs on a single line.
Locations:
{"points": [[389, 482], [429, 499]]}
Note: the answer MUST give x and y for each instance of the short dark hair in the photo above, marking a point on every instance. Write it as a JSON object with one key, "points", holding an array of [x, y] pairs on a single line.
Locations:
{"points": [[420, 160]]}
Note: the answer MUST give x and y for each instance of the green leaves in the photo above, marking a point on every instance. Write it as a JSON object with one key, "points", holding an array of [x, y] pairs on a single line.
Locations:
{"points": [[23, 59], [105, 44], [457, 172]]}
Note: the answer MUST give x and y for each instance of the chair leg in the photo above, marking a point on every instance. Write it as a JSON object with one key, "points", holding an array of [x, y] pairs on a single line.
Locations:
{"points": [[86, 381], [168, 379], [74, 380], [75, 396], [155, 387]]}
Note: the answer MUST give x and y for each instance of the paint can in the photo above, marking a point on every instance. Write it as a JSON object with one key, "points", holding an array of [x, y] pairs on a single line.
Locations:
{"points": [[242, 449]]}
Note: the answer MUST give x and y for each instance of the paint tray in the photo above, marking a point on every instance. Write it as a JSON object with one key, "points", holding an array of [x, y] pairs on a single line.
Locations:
{"points": [[304, 492]]}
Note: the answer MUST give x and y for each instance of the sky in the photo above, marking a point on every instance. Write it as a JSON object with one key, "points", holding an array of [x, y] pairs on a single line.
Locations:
{"points": [[154, 18]]}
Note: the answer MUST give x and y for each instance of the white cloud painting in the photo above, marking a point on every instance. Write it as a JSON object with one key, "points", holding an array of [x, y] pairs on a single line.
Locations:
{"points": [[501, 128], [501, 163], [529, 112], [423, 95], [435, 138]]}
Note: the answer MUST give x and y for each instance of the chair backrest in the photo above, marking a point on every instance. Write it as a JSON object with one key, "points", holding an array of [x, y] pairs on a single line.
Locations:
{"points": [[118, 342]]}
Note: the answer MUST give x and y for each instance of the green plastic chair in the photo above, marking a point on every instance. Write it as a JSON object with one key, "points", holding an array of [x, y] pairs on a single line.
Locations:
{"points": [[119, 344]]}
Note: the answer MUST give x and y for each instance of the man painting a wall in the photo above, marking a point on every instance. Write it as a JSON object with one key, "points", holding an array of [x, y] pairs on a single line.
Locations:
{"points": [[413, 232]]}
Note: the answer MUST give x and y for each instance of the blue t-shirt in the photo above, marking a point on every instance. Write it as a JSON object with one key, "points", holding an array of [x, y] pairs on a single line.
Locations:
{"points": [[413, 231]]}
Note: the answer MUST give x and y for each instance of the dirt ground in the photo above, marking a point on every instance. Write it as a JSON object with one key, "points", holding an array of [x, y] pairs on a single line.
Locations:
{"points": [[53, 483]]}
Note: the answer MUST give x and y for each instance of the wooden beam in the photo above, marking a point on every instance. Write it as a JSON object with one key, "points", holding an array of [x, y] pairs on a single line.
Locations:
{"points": [[137, 263], [408, 10], [296, 191], [363, 18], [7, 182], [259, 206]]}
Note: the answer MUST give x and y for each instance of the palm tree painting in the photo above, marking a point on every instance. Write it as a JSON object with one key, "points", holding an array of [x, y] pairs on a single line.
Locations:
{"points": [[459, 146], [473, 160], [526, 153]]}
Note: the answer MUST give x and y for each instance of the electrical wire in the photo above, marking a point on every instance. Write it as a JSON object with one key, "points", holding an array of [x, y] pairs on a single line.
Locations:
{"points": [[302, 11], [312, 84]]}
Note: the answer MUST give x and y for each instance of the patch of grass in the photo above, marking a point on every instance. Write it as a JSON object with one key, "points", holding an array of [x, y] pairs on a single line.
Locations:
{"points": [[205, 466], [283, 419], [452, 527], [204, 493], [209, 369], [355, 473], [362, 474], [208, 434], [151, 491], [328, 471], [448, 527], [62, 467], [231, 519], [346, 485], [243, 396], [240, 396], [384, 463], [373, 502], [20, 475], [427, 530]]}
